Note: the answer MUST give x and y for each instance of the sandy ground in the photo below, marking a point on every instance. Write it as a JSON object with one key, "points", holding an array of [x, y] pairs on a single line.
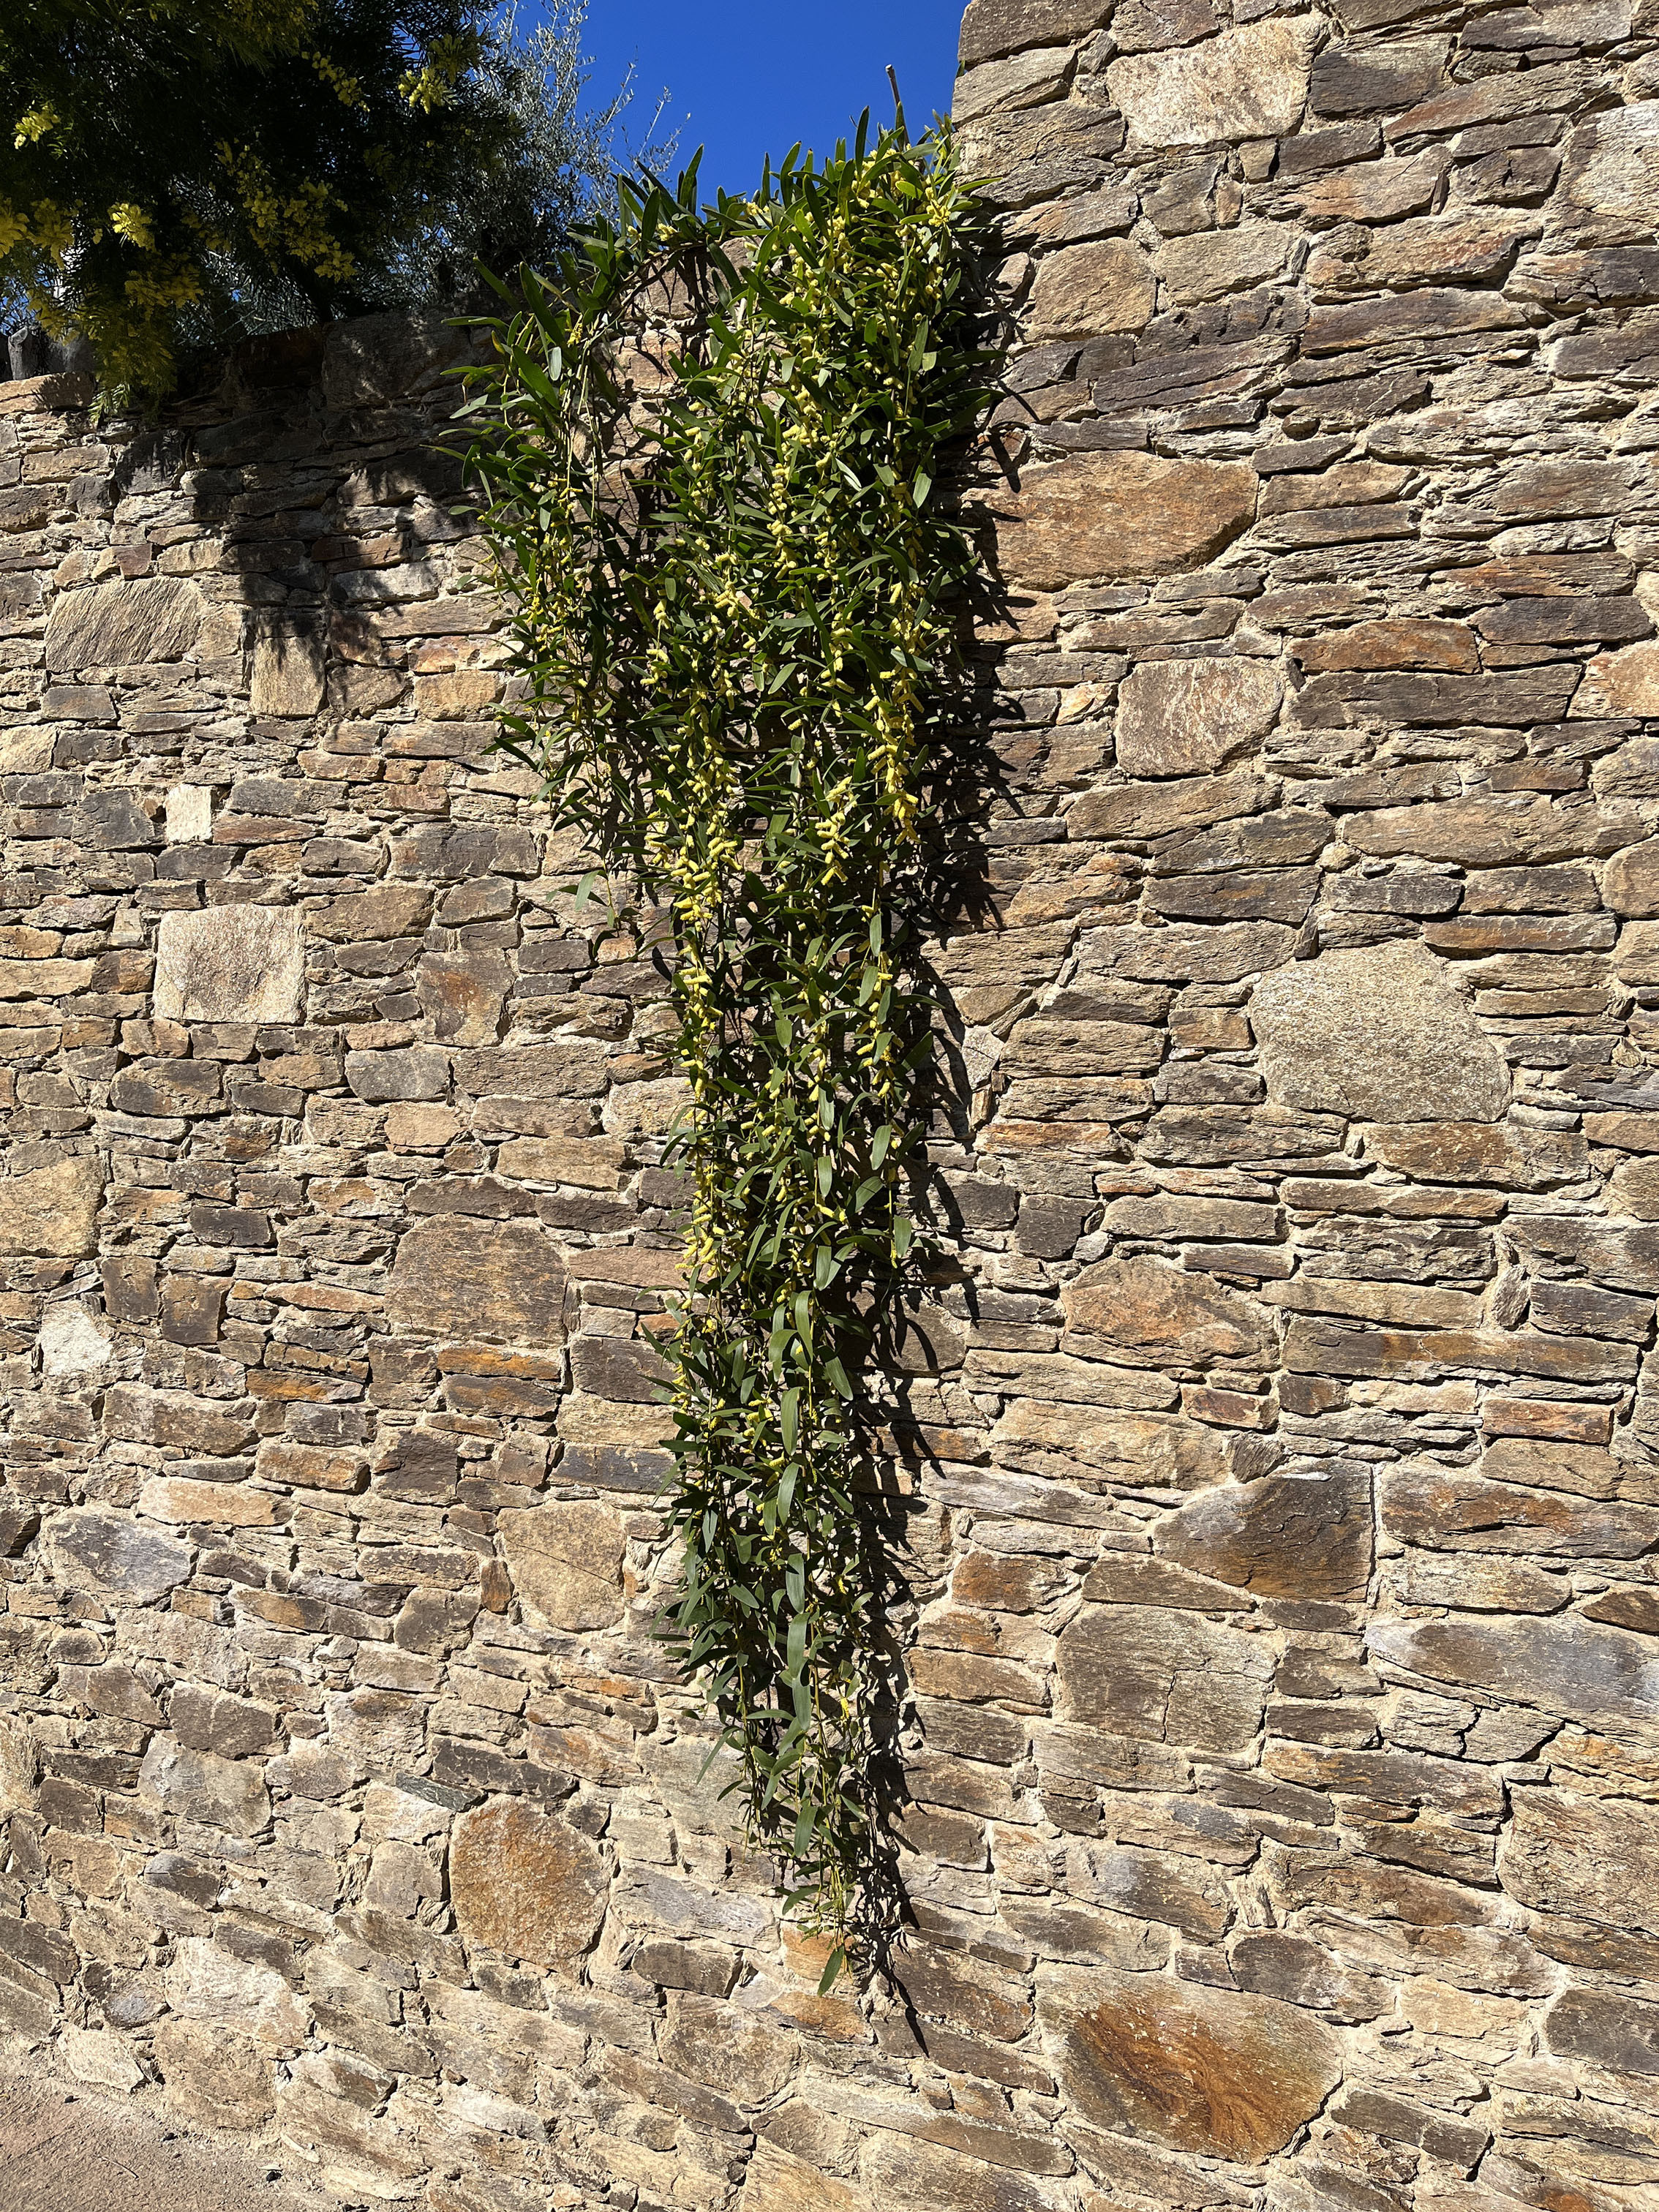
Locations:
{"points": [[64, 2149]]}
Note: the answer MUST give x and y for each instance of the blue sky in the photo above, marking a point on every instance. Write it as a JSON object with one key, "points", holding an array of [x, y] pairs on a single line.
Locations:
{"points": [[748, 78]]}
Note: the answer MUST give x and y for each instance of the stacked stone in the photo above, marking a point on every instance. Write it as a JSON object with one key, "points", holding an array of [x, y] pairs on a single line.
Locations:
{"points": [[1276, 1489]]}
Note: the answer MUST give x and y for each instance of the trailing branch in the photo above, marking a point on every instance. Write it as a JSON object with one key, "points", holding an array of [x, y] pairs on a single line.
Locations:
{"points": [[707, 444]]}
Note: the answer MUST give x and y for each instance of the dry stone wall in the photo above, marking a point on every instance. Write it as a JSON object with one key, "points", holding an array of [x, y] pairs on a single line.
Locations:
{"points": [[1277, 1498]]}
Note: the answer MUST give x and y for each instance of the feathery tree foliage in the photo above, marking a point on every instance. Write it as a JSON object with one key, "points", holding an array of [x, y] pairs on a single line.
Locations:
{"points": [[184, 172]]}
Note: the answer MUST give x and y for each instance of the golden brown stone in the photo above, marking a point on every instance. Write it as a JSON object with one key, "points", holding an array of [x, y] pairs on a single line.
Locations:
{"points": [[527, 1884], [51, 1209], [1086, 290], [1199, 2069], [1392, 644], [1149, 1309], [1121, 515]]}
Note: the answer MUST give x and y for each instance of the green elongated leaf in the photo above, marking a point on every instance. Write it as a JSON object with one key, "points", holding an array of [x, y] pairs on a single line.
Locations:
{"points": [[807, 1822]]}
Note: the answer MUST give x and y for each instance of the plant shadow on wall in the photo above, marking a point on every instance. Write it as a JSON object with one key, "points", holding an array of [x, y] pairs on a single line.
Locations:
{"points": [[707, 447]]}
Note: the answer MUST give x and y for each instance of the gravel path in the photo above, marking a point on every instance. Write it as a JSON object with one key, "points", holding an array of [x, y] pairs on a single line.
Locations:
{"points": [[64, 2148]]}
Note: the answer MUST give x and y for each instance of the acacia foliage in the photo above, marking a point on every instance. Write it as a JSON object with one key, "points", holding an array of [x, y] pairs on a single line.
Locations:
{"points": [[735, 598], [179, 172]]}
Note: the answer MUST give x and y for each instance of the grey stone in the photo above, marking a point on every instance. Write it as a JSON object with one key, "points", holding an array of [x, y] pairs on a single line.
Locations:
{"points": [[725, 2048], [565, 1557], [199, 1786], [924, 2177], [216, 2078], [175, 1417], [283, 798], [455, 1276], [1485, 833], [373, 359], [113, 822], [1246, 83], [74, 1340], [383, 1078], [1611, 174], [1302, 1972], [1376, 1033], [1160, 1676], [776, 2181], [993, 28], [1210, 263], [112, 1552], [1588, 1858], [1366, 80], [153, 618], [211, 1720], [230, 963], [1186, 952], [1605, 2028], [1147, 1452], [1597, 1676], [190, 814], [208, 1984], [1024, 80], [165, 1087], [106, 2060], [1182, 718]]}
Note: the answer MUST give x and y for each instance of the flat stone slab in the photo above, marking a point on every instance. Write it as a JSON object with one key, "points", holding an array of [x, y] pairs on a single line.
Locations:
{"points": [[116, 625], [1377, 1033], [230, 963]]}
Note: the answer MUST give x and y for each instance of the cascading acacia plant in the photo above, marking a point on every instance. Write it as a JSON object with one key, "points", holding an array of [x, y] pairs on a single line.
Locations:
{"points": [[706, 444]]}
